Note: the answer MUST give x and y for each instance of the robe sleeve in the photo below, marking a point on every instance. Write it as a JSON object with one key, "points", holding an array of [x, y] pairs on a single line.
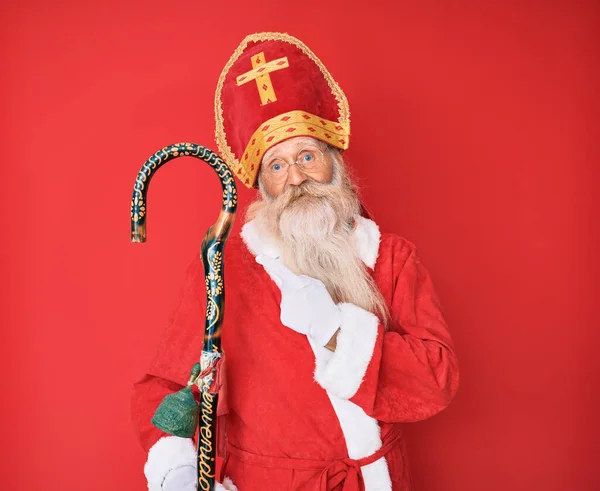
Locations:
{"points": [[407, 373], [178, 350]]}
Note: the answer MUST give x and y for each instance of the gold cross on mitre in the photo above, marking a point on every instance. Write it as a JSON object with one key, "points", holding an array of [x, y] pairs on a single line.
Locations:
{"points": [[260, 72]]}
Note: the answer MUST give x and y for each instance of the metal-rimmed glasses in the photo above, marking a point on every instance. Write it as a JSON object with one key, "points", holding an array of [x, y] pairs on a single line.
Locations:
{"points": [[309, 159]]}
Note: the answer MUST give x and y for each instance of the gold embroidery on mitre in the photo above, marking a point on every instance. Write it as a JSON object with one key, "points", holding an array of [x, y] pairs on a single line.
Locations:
{"points": [[260, 73], [247, 175], [288, 125]]}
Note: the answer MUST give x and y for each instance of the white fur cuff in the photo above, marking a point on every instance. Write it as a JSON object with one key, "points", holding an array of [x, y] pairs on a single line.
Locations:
{"points": [[168, 453], [343, 373]]}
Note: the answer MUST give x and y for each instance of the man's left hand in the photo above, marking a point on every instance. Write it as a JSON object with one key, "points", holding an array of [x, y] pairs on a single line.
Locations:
{"points": [[306, 306]]}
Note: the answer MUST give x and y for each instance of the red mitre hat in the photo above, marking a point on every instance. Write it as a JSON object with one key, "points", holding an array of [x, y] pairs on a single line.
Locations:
{"points": [[274, 88]]}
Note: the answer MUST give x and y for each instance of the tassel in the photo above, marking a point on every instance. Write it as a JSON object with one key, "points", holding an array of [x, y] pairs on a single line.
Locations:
{"points": [[178, 413]]}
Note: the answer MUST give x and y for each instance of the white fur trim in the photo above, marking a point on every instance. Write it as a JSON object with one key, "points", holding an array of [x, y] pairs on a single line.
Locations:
{"points": [[173, 452], [256, 243], [361, 432], [366, 241], [363, 438], [168, 453], [377, 476], [344, 372]]}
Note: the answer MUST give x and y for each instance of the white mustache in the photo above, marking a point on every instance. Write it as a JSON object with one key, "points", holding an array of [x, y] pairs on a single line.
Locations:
{"points": [[308, 189]]}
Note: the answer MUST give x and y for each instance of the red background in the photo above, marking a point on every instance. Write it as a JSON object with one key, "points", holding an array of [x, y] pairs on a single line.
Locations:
{"points": [[475, 135]]}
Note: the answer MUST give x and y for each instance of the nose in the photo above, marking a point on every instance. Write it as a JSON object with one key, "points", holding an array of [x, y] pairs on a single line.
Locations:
{"points": [[295, 175]]}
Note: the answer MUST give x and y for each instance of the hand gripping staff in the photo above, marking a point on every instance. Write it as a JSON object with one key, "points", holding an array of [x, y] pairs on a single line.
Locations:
{"points": [[179, 413]]}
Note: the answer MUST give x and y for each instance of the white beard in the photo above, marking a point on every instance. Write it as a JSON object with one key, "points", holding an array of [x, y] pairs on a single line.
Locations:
{"points": [[312, 225]]}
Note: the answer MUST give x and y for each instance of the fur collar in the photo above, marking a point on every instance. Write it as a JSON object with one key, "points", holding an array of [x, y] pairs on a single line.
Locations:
{"points": [[366, 240]]}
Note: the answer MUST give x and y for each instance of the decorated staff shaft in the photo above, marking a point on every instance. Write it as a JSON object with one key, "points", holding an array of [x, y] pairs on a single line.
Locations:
{"points": [[178, 414]]}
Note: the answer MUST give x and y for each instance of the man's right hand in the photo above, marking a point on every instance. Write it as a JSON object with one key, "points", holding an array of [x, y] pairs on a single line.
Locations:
{"points": [[306, 305]]}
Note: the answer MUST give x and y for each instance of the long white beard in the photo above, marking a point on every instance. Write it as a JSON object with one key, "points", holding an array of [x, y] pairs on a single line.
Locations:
{"points": [[313, 227]]}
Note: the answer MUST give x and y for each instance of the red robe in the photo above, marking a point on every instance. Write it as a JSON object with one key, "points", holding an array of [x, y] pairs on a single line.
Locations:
{"points": [[297, 414]]}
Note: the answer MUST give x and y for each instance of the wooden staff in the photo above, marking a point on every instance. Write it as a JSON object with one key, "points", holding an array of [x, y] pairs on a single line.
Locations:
{"points": [[177, 410]]}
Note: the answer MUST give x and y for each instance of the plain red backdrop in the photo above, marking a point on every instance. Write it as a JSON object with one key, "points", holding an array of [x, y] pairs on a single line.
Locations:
{"points": [[475, 135]]}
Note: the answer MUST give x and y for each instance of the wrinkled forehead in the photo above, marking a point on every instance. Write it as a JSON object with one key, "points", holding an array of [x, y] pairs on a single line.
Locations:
{"points": [[290, 147]]}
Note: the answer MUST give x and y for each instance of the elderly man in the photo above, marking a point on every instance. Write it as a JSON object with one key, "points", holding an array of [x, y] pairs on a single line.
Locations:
{"points": [[333, 334]]}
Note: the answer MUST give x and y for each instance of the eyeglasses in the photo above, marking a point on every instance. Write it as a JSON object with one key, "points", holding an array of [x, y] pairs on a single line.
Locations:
{"points": [[309, 159]]}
